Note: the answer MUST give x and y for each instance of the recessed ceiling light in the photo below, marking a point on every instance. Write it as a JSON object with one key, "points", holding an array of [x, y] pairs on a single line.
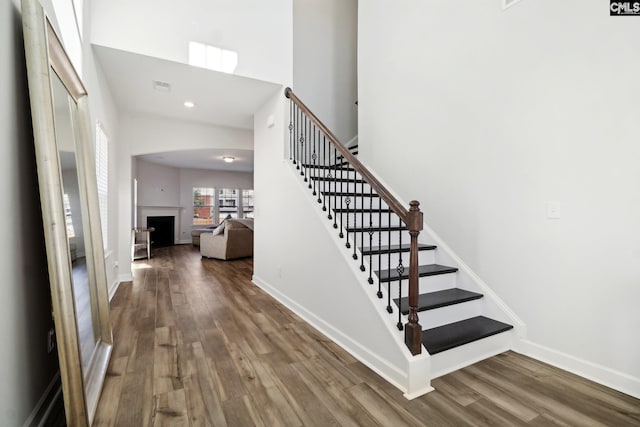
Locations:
{"points": [[189, 104], [228, 159]]}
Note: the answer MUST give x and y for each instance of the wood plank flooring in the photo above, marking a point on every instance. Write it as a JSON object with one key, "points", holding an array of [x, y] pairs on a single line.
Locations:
{"points": [[197, 344]]}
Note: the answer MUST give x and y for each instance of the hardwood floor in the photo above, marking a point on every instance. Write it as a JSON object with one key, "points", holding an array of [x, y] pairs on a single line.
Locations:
{"points": [[197, 344]]}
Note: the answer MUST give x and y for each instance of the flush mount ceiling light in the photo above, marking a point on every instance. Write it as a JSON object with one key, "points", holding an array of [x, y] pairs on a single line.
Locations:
{"points": [[228, 159], [189, 104]]}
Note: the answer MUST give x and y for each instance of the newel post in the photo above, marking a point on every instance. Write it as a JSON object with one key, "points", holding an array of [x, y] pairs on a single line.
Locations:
{"points": [[413, 330]]}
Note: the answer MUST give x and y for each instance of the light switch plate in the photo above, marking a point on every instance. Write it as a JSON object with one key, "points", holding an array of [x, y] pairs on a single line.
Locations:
{"points": [[553, 209]]}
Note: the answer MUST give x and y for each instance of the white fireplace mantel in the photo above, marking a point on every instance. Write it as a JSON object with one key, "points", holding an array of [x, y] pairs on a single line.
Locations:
{"points": [[175, 211]]}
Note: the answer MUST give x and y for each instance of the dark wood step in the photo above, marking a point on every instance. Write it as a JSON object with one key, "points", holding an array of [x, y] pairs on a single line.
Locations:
{"points": [[376, 228], [348, 194], [343, 167], [332, 179], [460, 333], [423, 271], [433, 300], [394, 249], [366, 210]]}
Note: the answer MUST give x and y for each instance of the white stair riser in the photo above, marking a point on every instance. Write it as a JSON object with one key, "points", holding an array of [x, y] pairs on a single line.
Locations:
{"points": [[357, 188], [459, 357], [424, 257], [439, 282], [384, 238], [356, 202], [450, 314], [358, 218]]}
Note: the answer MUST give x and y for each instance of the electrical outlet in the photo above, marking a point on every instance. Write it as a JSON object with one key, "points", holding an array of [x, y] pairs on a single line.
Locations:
{"points": [[51, 340], [553, 209]]}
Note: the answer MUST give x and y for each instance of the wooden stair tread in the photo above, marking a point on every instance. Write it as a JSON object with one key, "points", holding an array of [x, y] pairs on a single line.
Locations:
{"points": [[332, 179], [433, 300], [348, 194], [460, 333], [332, 167], [376, 228], [423, 270], [360, 210], [393, 249]]}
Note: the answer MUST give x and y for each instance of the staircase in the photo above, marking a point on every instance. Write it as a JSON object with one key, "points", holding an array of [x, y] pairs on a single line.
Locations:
{"points": [[382, 237]]}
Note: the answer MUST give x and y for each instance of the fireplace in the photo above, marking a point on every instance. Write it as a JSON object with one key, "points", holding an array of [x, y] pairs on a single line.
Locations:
{"points": [[164, 231]]}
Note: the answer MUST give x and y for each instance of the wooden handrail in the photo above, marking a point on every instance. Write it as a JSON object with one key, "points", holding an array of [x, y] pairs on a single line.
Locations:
{"points": [[391, 201], [412, 218]]}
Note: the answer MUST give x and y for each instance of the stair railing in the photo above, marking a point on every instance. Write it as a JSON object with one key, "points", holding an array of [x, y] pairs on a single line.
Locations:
{"points": [[314, 148]]}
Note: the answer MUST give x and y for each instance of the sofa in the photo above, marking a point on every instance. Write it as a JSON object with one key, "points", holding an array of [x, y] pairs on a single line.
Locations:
{"points": [[195, 234], [232, 239]]}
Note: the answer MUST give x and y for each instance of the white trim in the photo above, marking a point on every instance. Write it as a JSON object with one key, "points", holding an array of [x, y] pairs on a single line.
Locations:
{"points": [[418, 393], [124, 277], [50, 396], [353, 141], [600, 374], [364, 355]]}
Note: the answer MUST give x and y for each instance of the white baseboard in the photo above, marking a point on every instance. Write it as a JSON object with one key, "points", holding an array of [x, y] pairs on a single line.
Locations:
{"points": [[43, 408], [600, 374], [364, 355], [125, 277]]}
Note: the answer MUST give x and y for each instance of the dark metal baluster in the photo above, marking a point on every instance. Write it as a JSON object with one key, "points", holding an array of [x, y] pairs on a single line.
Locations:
{"points": [[291, 131], [342, 200], [389, 309], [295, 136], [355, 213], [302, 138], [400, 270], [380, 250], [314, 170], [335, 190], [327, 175], [362, 226], [310, 151], [370, 235], [307, 156], [348, 203]]}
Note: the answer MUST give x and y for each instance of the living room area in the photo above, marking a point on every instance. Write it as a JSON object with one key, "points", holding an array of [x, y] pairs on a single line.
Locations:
{"points": [[202, 198]]}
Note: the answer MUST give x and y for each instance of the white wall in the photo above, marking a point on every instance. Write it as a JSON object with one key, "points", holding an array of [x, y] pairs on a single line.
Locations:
{"points": [[151, 134], [325, 62], [484, 116], [26, 369], [259, 31], [158, 185]]}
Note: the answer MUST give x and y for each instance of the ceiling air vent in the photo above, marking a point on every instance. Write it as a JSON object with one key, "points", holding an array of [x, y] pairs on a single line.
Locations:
{"points": [[161, 86], [508, 3]]}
